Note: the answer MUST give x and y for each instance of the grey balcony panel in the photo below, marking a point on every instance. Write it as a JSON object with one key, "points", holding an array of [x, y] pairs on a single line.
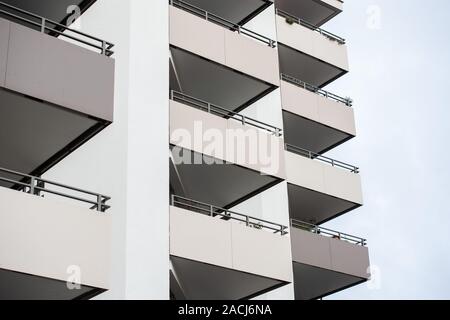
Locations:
{"points": [[21, 286], [59, 72], [51, 9], [315, 11], [311, 282], [215, 83], [224, 184], [316, 207], [307, 68], [236, 11], [326, 261], [54, 97], [312, 135], [201, 281]]}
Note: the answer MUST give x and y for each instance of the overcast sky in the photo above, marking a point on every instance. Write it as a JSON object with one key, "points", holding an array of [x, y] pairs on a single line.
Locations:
{"points": [[399, 66]]}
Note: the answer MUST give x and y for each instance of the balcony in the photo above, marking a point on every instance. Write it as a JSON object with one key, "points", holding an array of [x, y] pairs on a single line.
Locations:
{"points": [[219, 61], [320, 188], [316, 11], [57, 11], [326, 261], [50, 235], [217, 254], [309, 53], [50, 107], [315, 119], [219, 156], [235, 11]]}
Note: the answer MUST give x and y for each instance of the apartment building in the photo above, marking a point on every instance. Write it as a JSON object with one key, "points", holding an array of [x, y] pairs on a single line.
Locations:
{"points": [[171, 149]]}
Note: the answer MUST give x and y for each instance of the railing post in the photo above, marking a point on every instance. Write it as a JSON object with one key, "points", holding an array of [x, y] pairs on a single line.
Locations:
{"points": [[211, 210], [172, 200], [103, 47], [171, 94], [32, 184], [247, 220], [243, 120], [99, 203], [43, 25], [209, 107]]}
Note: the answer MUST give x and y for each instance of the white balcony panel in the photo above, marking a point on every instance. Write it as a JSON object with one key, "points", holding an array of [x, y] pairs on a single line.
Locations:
{"points": [[312, 43], [43, 238], [229, 245], [195, 123], [223, 46], [323, 178], [317, 108]]}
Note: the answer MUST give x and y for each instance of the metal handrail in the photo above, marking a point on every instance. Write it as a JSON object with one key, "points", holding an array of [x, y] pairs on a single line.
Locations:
{"points": [[213, 211], [328, 232], [221, 21], [347, 101], [316, 156], [216, 110], [35, 186], [103, 45], [310, 26]]}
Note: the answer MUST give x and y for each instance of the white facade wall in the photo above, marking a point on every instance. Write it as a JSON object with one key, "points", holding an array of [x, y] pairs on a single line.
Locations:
{"points": [[129, 160]]}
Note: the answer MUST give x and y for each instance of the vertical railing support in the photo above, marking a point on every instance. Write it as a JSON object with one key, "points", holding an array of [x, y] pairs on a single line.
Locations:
{"points": [[43, 23], [99, 203]]}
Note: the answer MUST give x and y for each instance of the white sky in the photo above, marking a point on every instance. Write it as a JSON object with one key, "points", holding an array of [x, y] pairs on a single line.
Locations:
{"points": [[399, 80], [399, 68]]}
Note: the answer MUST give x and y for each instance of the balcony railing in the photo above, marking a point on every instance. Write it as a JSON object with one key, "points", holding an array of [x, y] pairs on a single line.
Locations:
{"points": [[347, 101], [221, 21], [328, 232], [293, 19], [222, 112], [213, 211], [55, 28], [39, 187], [314, 156]]}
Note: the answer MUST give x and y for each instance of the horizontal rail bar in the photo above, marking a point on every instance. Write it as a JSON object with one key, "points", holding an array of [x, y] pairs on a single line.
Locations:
{"points": [[328, 232], [316, 156], [211, 210], [221, 21], [347, 101], [310, 26], [37, 185], [102, 45], [214, 109]]}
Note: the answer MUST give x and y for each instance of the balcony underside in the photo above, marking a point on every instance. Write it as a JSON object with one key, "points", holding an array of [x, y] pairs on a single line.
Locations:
{"points": [[202, 281], [307, 68], [311, 135], [313, 282], [225, 184], [209, 81], [20, 286], [35, 135], [50, 9], [313, 11], [316, 207], [236, 11]]}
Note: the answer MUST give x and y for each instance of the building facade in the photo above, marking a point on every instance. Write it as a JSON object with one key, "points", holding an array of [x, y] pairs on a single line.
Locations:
{"points": [[201, 126]]}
